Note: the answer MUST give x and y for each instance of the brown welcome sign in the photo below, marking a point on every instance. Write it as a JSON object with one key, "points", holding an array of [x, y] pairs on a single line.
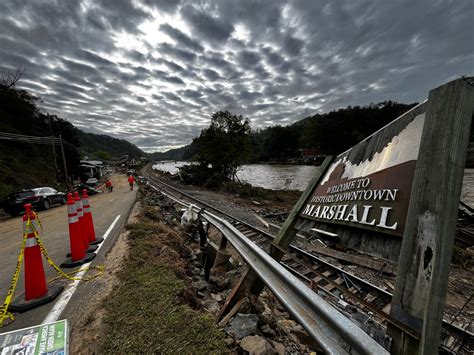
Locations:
{"points": [[369, 185]]}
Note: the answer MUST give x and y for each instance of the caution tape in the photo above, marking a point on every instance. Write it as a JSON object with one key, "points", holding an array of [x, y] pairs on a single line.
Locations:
{"points": [[4, 308], [37, 219], [61, 272]]}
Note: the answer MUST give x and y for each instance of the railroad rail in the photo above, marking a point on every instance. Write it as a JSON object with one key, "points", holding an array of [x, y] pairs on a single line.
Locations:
{"points": [[341, 287]]}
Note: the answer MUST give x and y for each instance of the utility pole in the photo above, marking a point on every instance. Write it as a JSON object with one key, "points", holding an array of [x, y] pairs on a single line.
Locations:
{"points": [[54, 148], [64, 162]]}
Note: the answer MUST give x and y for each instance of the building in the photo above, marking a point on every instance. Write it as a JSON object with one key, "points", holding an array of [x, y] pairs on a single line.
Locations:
{"points": [[91, 168]]}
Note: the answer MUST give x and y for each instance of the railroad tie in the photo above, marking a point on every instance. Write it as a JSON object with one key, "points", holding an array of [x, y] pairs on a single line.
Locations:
{"points": [[332, 285]]}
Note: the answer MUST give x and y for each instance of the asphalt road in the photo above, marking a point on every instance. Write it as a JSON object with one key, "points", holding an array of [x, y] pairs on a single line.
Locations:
{"points": [[105, 209]]}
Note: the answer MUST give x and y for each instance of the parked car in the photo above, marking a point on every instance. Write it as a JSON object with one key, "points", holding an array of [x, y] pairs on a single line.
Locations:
{"points": [[92, 182], [40, 198]]}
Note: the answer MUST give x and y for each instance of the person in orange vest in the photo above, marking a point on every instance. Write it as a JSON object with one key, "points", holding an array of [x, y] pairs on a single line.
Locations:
{"points": [[108, 185], [131, 180]]}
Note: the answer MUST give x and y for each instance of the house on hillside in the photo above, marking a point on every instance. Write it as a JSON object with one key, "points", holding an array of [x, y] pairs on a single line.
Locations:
{"points": [[309, 153], [133, 163], [311, 156]]}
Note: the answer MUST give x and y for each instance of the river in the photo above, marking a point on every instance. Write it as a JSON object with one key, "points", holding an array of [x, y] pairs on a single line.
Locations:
{"points": [[296, 177], [269, 176]]}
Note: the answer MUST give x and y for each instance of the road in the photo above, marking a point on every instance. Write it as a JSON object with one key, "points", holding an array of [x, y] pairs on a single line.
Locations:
{"points": [[105, 209]]}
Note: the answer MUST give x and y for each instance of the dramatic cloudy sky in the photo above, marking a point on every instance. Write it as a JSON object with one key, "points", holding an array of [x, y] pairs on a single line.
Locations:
{"points": [[153, 71]]}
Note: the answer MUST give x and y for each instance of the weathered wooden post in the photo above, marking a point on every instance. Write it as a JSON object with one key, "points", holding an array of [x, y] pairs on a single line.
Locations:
{"points": [[425, 258]]}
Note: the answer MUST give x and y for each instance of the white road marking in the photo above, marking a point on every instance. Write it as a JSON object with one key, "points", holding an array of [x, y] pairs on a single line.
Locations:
{"points": [[66, 295]]}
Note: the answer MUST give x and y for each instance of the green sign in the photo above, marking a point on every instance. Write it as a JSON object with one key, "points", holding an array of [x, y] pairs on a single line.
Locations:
{"points": [[51, 338]]}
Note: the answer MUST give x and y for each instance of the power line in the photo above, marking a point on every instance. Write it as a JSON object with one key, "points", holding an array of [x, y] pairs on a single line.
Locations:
{"points": [[38, 140], [29, 139]]}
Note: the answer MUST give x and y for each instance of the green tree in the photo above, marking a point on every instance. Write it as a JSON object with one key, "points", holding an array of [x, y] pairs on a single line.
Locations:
{"points": [[281, 143], [102, 154], [224, 145]]}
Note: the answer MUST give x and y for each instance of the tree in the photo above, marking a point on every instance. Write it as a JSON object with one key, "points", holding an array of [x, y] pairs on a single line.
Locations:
{"points": [[224, 145], [102, 154], [8, 79], [281, 143]]}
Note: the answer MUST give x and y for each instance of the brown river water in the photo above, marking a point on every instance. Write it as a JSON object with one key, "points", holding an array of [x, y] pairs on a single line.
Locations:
{"points": [[269, 176], [296, 177]]}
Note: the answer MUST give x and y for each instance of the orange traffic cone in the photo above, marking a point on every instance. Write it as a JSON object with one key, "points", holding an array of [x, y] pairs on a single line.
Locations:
{"points": [[36, 289], [77, 256], [82, 227], [89, 223]]}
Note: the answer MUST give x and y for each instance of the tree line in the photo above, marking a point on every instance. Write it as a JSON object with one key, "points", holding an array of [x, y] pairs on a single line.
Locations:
{"points": [[25, 165], [229, 140]]}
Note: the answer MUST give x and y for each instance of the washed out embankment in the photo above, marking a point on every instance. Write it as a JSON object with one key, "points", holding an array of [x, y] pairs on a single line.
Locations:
{"points": [[147, 310]]}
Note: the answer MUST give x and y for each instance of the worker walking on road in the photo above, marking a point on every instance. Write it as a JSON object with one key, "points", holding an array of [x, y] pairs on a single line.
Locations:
{"points": [[131, 180], [108, 185]]}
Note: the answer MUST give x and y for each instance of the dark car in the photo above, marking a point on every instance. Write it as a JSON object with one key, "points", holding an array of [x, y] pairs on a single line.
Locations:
{"points": [[40, 198]]}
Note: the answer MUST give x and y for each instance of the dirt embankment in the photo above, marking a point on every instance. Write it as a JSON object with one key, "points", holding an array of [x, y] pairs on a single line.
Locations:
{"points": [[144, 307]]}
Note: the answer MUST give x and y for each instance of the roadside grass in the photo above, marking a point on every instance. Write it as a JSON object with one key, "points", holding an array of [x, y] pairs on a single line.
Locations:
{"points": [[146, 312]]}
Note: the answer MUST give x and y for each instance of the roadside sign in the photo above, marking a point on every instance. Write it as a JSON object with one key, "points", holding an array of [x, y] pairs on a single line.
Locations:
{"points": [[50, 338], [369, 185]]}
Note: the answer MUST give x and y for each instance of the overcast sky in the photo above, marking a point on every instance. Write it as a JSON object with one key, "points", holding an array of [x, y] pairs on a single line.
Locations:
{"points": [[154, 71]]}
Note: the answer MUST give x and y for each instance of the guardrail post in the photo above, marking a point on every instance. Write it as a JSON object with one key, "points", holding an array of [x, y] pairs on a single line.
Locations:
{"points": [[223, 243], [425, 257], [250, 282]]}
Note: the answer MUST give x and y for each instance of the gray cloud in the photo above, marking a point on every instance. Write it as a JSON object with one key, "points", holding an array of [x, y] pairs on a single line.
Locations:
{"points": [[163, 5], [177, 53], [208, 27], [181, 38], [118, 68]]}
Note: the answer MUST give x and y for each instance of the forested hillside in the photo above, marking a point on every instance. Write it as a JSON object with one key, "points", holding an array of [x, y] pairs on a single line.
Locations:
{"points": [[183, 153], [329, 133], [26, 165], [105, 147]]}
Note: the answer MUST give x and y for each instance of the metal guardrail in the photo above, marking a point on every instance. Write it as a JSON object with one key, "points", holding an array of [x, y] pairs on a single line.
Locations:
{"points": [[332, 331], [335, 333]]}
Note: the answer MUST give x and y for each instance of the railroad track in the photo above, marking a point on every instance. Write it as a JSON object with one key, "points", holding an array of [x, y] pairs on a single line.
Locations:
{"points": [[345, 291]]}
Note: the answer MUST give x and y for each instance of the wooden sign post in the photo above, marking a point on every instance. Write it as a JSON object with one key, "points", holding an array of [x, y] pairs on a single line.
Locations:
{"points": [[396, 193], [427, 245]]}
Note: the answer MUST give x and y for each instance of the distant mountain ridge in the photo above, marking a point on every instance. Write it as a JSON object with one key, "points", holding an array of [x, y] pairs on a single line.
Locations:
{"points": [[117, 148], [183, 153]]}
